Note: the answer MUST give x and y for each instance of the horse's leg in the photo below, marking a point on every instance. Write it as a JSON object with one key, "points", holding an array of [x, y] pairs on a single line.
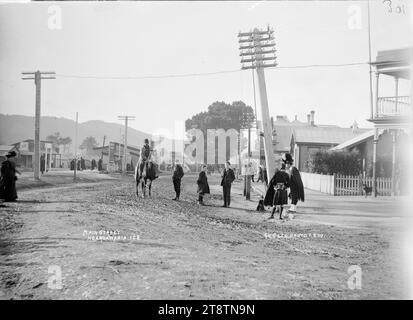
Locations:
{"points": [[143, 188], [150, 188], [137, 187]]}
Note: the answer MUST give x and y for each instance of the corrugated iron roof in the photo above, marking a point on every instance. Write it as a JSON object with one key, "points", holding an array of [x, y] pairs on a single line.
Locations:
{"points": [[356, 140], [325, 135], [4, 149]]}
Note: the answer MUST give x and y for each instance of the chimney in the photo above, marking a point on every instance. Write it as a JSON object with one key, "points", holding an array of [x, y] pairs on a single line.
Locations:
{"points": [[308, 118], [312, 118]]}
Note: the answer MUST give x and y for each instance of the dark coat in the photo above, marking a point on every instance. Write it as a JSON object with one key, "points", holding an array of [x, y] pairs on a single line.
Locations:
{"points": [[146, 152], [8, 181], [42, 163], [228, 177], [202, 182], [279, 177], [296, 184], [178, 172]]}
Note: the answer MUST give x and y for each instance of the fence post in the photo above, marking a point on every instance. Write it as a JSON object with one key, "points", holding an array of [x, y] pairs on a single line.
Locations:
{"points": [[334, 184]]}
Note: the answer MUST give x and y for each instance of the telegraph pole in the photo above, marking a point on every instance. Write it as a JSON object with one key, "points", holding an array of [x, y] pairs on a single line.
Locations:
{"points": [[74, 171], [103, 146], [37, 76], [370, 70], [125, 146], [257, 47], [120, 143], [247, 120]]}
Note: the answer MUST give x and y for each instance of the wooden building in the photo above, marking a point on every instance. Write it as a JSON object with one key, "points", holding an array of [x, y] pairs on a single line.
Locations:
{"points": [[392, 114]]}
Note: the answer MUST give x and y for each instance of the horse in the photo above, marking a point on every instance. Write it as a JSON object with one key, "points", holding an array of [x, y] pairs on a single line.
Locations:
{"points": [[148, 173]]}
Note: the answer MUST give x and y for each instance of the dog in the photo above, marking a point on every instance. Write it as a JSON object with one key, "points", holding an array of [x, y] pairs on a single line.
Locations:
{"points": [[367, 190], [260, 206]]}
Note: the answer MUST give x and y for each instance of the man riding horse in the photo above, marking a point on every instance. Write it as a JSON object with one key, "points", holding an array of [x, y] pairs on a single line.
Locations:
{"points": [[146, 169], [146, 154]]}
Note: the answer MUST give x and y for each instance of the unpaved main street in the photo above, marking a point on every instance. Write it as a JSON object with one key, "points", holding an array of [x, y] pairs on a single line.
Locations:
{"points": [[177, 250]]}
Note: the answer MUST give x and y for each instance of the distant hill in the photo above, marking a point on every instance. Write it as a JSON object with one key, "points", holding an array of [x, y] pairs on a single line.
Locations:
{"points": [[15, 128]]}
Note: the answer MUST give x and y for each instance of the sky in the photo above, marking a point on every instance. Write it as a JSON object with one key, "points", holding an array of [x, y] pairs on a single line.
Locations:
{"points": [[107, 40]]}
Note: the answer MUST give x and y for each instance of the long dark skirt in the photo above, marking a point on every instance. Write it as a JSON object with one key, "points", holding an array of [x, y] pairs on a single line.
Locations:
{"points": [[8, 189], [280, 197], [294, 197]]}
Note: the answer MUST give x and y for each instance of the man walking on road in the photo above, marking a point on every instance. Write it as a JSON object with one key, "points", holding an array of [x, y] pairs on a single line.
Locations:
{"points": [[227, 178], [176, 179]]}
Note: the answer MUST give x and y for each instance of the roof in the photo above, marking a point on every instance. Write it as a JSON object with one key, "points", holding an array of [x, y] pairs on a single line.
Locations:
{"points": [[283, 121], [32, 140], [394, 55], [4, 149], [131, 148], [354, 141], [282, 138], [325, 135], [394, 62], [284, 130]]}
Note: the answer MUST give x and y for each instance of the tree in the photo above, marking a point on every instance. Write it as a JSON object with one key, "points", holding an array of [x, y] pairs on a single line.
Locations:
{"points": [[89, 143], [336, 162], [221, 115], [55, 138], [65, 142]]}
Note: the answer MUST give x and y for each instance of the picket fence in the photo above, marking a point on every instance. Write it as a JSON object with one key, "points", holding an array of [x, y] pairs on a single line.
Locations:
{"points": [[340, 185], [354, 185]]}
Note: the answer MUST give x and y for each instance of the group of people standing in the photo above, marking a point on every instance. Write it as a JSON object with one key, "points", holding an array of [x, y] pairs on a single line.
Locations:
{"points": [[227, 178], [80, 164], [286, 177]]}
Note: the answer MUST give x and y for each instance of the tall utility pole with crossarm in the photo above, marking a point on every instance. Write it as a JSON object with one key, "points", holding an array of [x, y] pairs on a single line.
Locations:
{"points": [[125, 145], [257, 51], [37, 76]]}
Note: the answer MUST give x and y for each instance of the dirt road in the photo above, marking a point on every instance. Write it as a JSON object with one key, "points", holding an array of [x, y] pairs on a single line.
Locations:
{"points": [[177, 250]]}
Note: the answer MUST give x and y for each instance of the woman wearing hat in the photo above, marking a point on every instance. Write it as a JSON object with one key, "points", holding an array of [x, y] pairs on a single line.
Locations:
{"points": [[276, 195], [296, 184], [8, 178]]}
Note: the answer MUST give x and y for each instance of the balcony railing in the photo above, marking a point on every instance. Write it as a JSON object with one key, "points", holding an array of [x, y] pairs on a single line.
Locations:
{"points": [[390, 106]]}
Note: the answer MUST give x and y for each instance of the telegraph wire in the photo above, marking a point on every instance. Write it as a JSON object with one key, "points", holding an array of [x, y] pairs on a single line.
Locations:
{"points": [[203, 74]]}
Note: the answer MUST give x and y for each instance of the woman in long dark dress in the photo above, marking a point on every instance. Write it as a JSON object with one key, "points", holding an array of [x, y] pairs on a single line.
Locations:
{"points": [[276, 195], [8, 178], [203, 186], [296, 184]]}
